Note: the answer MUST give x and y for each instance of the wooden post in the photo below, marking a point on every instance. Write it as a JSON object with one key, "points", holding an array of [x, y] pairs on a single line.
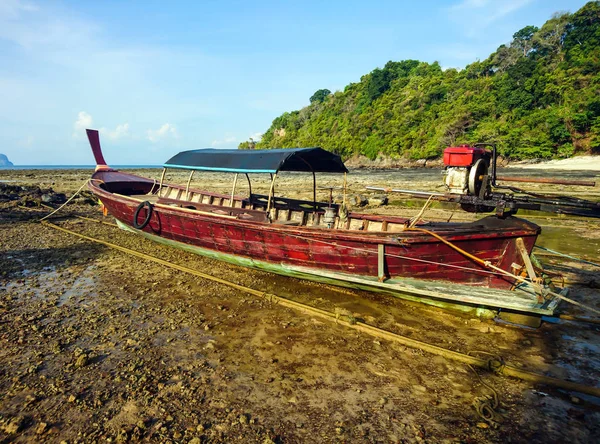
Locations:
{"points": [[249, 189], [231, 202], [345, 188], [162, 178], [314, 192], [187, 187], [271, 191], [526, 259], [381, 268]]}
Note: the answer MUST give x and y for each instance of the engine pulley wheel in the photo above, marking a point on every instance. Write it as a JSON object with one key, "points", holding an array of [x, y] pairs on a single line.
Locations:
{"points": [[478, 170]]}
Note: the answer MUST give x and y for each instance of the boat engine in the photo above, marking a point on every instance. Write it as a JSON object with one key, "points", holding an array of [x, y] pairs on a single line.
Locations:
{"points": [[466, 170]]}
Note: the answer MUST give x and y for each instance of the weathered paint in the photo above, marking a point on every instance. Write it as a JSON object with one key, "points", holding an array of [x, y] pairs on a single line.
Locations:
{"points": [[417, 265], [440, 294]]}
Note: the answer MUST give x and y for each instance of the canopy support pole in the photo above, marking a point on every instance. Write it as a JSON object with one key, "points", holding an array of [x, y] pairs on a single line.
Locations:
{"points": [[314, 194], [187, 187], [249, 188], [162, 178], [231, 201], [271, 192], [314, 184], [345, 186]]}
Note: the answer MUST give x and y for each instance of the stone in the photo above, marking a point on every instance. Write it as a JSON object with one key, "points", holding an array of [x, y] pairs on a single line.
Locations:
{"points": [[378, 200], [41, 428], [81, 361], [15, 425], [357, 200]]}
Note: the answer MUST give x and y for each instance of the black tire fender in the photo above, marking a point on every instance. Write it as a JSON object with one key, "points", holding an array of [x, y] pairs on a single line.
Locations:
{"points": [[146, 221]]}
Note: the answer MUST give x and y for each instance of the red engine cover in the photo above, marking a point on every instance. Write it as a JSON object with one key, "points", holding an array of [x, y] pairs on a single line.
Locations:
{"points": [[463, 156]]}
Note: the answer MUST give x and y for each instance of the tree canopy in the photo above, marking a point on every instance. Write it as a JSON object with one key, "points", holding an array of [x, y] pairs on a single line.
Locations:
{"points": [[320, 95], [536, 96]]}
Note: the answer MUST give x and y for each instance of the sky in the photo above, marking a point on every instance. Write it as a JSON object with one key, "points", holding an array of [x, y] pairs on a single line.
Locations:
{"points": [[160, 77]]}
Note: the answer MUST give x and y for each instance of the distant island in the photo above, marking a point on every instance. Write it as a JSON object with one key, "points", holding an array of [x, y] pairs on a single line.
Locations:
{"points": [[4, 162], [535, 97]]}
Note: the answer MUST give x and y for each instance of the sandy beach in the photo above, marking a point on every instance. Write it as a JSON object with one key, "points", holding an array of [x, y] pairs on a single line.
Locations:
{"points": [[583, 163], [99, 346]]}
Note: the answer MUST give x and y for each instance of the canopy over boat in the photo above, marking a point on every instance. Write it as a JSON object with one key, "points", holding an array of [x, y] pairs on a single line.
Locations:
{"points": [[311, 160]]}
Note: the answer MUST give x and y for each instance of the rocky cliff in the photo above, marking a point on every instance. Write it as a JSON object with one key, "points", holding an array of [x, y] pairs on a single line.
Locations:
{"points": [[4, 162]]}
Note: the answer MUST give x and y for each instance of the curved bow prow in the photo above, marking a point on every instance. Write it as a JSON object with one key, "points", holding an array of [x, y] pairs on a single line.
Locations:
{"points": [[94, 139]]}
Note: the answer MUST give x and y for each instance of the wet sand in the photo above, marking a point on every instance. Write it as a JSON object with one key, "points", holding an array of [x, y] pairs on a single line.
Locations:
{"points": [[98, 346]]}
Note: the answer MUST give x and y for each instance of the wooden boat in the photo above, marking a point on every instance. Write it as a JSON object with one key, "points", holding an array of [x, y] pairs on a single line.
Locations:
{"points": [[459, 265]]}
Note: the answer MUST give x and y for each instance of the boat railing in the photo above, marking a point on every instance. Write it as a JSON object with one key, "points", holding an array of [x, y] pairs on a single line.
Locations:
{"points": [[284, 211]]}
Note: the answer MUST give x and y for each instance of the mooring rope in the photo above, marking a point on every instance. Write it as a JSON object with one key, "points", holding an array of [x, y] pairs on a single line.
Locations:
{"points": [[416, 219], [70, 198], [558, 253], [355, 324], [486, 264]]}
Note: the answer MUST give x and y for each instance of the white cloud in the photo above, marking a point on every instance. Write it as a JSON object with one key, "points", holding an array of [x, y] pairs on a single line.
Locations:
{"points": [[256, 136], [84, 121], [30, 27], [119, 132], [228, 140], [480, 14], [165, 131], [469, 4], [12, 9]]}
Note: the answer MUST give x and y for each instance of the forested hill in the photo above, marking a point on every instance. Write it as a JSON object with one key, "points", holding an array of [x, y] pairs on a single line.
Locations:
{"points": [[537, 96]]}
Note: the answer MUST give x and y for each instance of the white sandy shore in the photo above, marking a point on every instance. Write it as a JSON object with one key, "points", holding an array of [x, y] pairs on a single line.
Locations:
{"points": [[589, 163]]}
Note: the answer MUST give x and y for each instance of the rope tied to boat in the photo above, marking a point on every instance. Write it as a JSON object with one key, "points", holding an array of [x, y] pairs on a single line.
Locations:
{"points": [[558, 253], [496, 365], [486, 405], [70, 198], [358, 326], [539, 288], [485, 263], [418, 217]]}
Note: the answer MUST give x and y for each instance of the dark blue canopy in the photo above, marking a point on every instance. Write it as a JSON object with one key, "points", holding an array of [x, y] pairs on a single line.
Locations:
{"points": [[315, 160]]}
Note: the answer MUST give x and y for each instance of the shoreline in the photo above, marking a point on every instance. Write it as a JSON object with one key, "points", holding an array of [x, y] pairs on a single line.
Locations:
{"points": [[577, 163]]}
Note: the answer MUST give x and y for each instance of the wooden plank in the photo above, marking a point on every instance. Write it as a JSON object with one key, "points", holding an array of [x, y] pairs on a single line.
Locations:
{"points": [[454, 293], [381, 270], [526, 259]]}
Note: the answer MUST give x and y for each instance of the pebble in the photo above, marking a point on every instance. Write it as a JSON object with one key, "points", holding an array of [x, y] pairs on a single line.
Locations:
{"points": [[82, 361], [15, 425], [41, 428]]}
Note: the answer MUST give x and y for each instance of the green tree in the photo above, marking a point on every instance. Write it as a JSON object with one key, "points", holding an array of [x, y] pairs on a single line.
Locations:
{"points": [[535, 97], [522, 39], [320, 96]]}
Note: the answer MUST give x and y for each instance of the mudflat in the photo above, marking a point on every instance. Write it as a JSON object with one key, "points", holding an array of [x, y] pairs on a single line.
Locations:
{"points": [[97, 345]]}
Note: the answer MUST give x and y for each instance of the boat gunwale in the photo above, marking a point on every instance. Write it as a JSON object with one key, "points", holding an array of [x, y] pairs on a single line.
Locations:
{"points": [[406, 237]]}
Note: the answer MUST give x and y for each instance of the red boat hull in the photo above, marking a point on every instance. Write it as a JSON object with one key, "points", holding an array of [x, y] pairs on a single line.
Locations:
{"points": [[408, 254]]}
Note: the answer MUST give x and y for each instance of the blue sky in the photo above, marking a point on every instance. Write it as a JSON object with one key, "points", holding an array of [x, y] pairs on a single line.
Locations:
{"points": [[159, 77]]}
